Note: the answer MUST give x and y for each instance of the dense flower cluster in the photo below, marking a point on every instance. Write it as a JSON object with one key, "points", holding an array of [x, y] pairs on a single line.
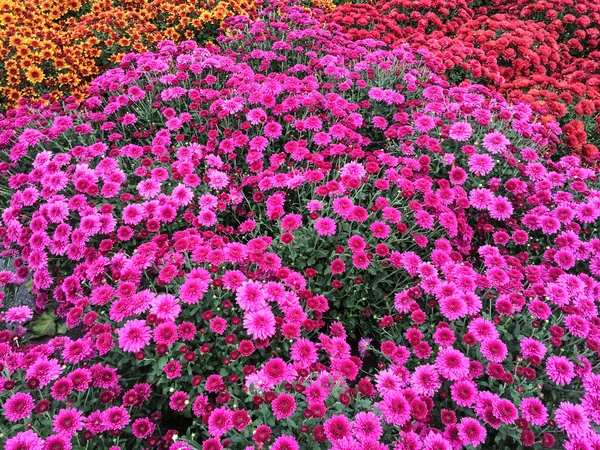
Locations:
{"points": [[290, 239], [49, 50], [541, 53]]}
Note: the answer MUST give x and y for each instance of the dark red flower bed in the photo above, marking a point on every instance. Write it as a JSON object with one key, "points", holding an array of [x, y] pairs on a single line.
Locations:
{"points": [[544, 53]]}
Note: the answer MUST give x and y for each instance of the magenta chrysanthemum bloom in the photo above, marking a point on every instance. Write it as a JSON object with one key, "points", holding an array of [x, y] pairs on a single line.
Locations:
{"points": [[367, 427], [44, 370], [395, 408], [24, 440], [577, 325], [424, 124], [435, 441], [182, 195], [337, 427], [461, 131], [539, 309], [220, 422], [495, 142], [533, 410], [361, 260], [303, 352], [142, 428], [291, 222], [218, 325], [356, 243], [532, 347], [68, 422], [133, 214], [134, 335], [505, 411], [165, 306], [325, 226], [251, 296], [572, 419], [453, 307], [283, 406], [285, 443], [337, 266], [172, 369], [18, 314], [481, 164], [494, 350], [500, 208], [452, 364], [380, 230], [18, 406], [260, 324], [560, 370], [273, 130], [425, 380], [464, 392], [115, 418], [193, 290], [471, 432], [57, 442], [149, 188], [179, 400], [480, 198]]}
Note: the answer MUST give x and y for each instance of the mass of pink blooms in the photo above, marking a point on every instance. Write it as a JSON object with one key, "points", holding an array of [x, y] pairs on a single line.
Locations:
{"points": [[292, 240]]}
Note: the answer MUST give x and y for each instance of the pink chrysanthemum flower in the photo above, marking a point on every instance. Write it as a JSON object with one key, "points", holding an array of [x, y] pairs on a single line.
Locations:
{"points": [[18, 406], [500, 208], [179, 400], [560, 370], [360, 260], [471, 432], [165, 306], [481, 164], [452, 364], [337, 427], [273, 130], [44, 370], [366, 427], [68, 422], [572, 419], [260, 324], [220, 422], [303, 353], [134, 335], [142, 428], [533, 410], [495, 142], [251, 296], [424, 124], [494, 350], [380, 230], [283, 406], [325, 226], [461, 131], [24, 440], [57, 442], [115, 418], [285, 443], [395, 408], [425, 380], [480, 198], [165, 333], [464, 392], [18, 314]]}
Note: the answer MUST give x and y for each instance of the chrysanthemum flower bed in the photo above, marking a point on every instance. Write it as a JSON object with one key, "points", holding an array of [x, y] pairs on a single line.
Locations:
{"points": [[50, 50], [292, 240], [541, 53]]}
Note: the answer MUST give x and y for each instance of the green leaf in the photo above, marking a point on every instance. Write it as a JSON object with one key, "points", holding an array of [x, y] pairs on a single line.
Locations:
{"points": [[43, 325]]}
